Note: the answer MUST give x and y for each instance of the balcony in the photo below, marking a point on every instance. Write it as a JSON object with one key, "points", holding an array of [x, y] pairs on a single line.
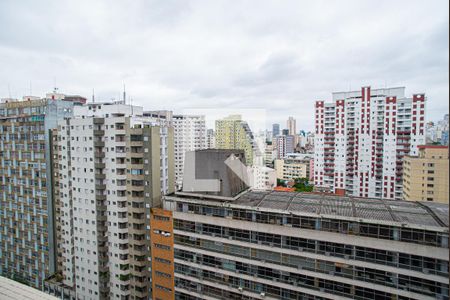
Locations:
{"points": [[99, 121], [99, 144], [99, 154], [99, 132], [99, 165]]}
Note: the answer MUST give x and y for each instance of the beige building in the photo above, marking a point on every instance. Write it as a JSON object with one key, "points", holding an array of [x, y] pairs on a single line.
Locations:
{"points": [[426, 176], [292, 167]]}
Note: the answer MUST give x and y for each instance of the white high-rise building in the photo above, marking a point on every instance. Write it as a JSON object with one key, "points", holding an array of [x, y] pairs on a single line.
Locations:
{"points": [[112, 165], [362, 137], [190, 135]]}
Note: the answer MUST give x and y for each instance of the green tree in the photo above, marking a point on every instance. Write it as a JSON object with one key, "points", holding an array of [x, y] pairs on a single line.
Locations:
{"points": [[302, 185]]}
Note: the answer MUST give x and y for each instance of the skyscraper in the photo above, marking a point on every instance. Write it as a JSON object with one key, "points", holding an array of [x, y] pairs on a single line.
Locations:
{"points": [[362, 137], [190, 135], [234, 133], [275, 130], [291, 126], [112, 165], [27, 230]]}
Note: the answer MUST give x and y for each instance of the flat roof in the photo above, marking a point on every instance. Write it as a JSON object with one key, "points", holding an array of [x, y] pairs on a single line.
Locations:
{"points": [[13, 290], [429, 215]]}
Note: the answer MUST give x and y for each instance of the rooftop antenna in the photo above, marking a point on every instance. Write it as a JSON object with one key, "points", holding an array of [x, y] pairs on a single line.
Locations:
{"points": [[9, 90], [131, 105], [93, 95], [124, 95]]}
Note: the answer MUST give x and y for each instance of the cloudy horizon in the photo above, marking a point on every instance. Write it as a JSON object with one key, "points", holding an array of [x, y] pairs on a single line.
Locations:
{"points": [[279, 56]]}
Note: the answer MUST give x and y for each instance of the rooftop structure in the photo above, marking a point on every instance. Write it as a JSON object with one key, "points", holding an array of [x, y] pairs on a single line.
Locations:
{"points": [[289, 245], [13, 290]]}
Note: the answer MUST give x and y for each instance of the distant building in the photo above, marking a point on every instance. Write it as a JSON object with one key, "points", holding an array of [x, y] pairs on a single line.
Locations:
{"points": [[275, 130], [210, 139], [262, 178], [189, 135], [291, 126], [437, 132], [285, 132], [362, 137], [234, 133], [285, 145], [291, 167], [270, 155], [426, 176], [27, 235]]}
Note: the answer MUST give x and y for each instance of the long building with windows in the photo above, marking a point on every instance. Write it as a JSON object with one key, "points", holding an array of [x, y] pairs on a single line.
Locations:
{"points": [[112, 165], [283, 245], [27, 231], [361, 139]]}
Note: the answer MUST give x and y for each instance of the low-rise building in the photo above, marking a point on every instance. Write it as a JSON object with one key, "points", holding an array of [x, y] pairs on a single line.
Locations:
{"points": [[293, 167], [426, 175]]}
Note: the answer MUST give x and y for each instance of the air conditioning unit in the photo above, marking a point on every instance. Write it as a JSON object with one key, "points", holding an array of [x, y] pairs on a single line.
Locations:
{"points": [[263, 294], [240, 289]]}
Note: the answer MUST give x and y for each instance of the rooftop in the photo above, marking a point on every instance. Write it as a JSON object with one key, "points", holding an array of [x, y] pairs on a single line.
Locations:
{"points": [[13, 290], [427, 215]]}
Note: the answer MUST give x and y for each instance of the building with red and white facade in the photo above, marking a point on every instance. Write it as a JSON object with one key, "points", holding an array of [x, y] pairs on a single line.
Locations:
{"points": [[361, 138]]}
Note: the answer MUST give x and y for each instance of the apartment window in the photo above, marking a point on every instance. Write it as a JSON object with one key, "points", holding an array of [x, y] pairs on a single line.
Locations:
{"points": [[161, 246], [161, 218]]}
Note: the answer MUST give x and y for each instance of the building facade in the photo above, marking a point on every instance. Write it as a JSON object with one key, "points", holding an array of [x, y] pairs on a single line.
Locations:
{"points": [[291, 125], [112, 165], [27, 230], [362, 137], [293, 167], [275, 130], [281, 245], [190, 135], [425, 176], [234, 133], [210, 139], [285, 144]]}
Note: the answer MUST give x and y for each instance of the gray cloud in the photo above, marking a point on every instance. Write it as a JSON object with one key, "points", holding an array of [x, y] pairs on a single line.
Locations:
{"points": [[280, 56]]}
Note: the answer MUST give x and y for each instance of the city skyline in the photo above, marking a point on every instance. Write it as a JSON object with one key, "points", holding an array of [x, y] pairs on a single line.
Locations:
{"points": [[205, 55]]}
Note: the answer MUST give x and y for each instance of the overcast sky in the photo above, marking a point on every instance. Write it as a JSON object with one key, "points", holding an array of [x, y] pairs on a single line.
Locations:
{"points": [[280, 56]]}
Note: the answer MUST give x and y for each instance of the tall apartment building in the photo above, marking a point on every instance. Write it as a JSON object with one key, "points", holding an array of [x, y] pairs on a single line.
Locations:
{"points": [[291, 126], [284, 145], [210, 139], [283, 245], [112, 165], [189, 135], [27, 231], [425, 176], [234, 133], [362, 137]]}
